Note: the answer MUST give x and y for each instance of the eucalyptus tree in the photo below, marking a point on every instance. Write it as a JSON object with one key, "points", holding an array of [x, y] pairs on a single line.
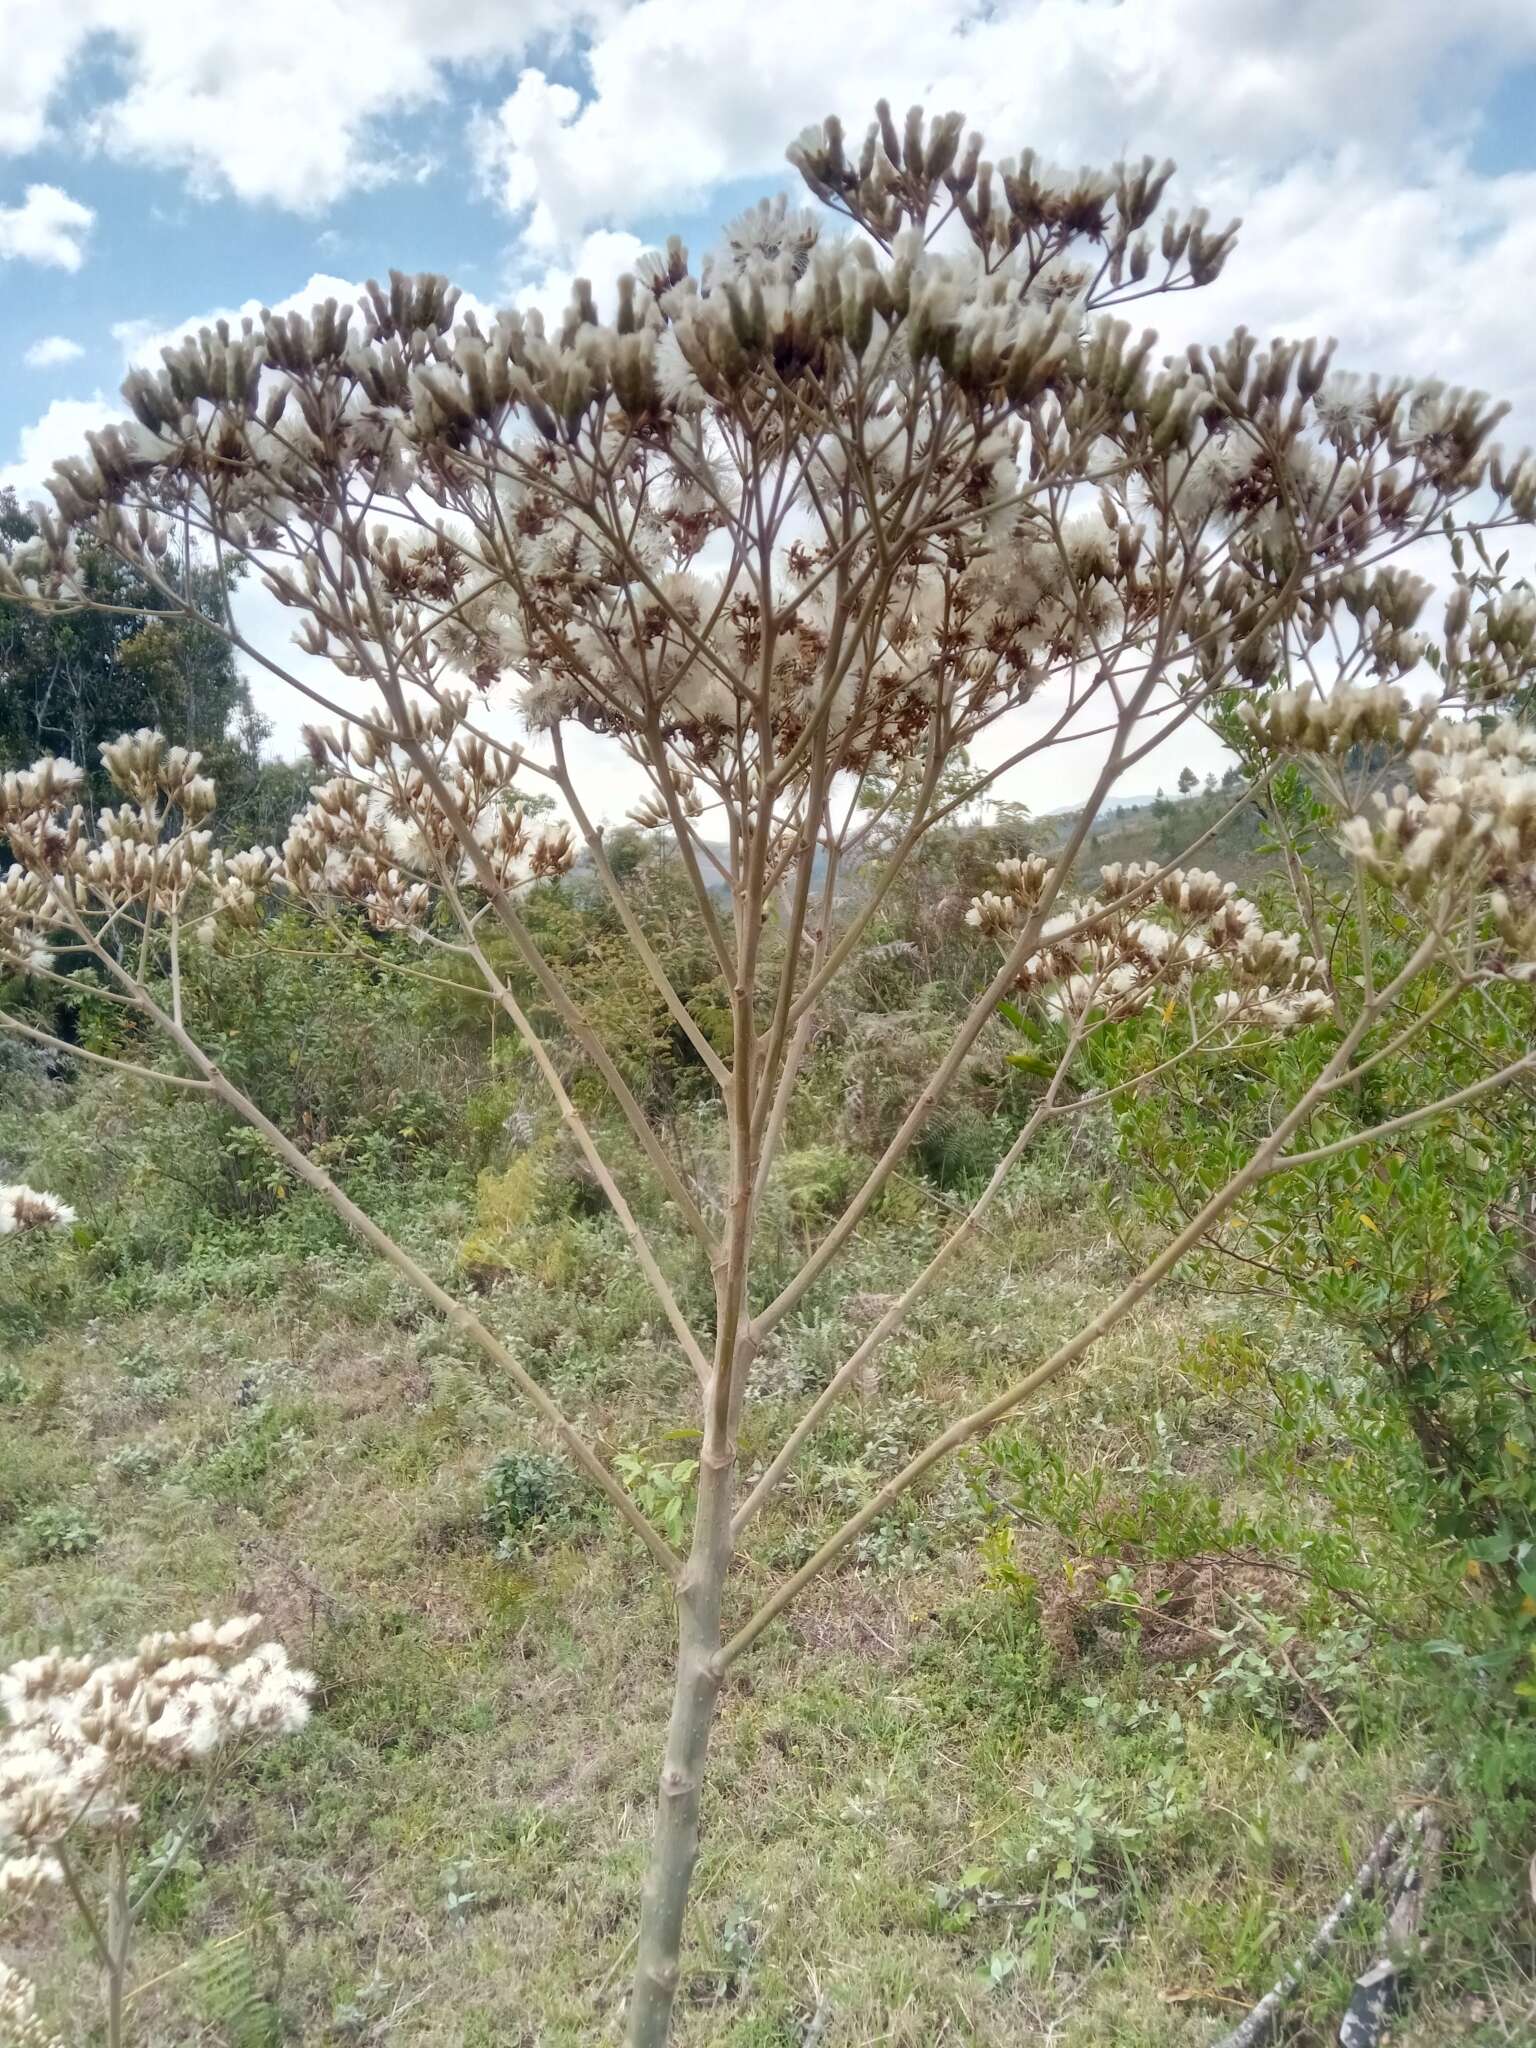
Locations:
{"points": [[67, 683], [883, 482]]}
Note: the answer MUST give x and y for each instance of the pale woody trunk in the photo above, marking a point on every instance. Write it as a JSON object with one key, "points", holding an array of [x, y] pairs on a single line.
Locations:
{"points": [[675, 1844]]}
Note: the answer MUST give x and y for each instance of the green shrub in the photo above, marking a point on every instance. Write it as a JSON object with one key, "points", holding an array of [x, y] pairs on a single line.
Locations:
{"points": [[55, 1532], [819, 1181], [133, 1463], [229, 1991], [506, 1204], [663, 1491], [156, 1384], [959, 1147], [1418, 1252], [527, 1494], [42, 1275], [261, 1457]]}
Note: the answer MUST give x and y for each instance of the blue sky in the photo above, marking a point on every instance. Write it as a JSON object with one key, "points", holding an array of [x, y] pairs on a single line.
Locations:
{"points": [[165, 160]]}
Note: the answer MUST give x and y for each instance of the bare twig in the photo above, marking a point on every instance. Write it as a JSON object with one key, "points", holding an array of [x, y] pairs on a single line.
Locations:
{"points": [[1256, 2027]]}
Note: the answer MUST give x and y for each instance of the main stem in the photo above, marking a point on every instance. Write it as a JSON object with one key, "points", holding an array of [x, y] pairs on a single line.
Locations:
{"points": [[119, 1929], [675, 1843], [701, 1584]]}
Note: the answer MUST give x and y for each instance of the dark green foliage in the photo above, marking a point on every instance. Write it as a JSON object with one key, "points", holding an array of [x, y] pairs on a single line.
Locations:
{"points": [[527, 1494], [264, 1453], [1421, 1249], [258, 798], [72, 680], [578, 932], [1101, 1513], [55, 1532], [340, 1050], [166, 1881], [362, 1065]]}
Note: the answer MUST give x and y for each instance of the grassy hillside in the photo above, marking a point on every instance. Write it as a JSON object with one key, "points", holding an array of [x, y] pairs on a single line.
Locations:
{"points": [[1075, 1750], [1158, 829]]}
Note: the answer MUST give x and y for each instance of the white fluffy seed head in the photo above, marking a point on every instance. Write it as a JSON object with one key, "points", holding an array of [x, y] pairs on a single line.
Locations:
{"points": [[24, 1209], [77, 1734], [20, 2026]]}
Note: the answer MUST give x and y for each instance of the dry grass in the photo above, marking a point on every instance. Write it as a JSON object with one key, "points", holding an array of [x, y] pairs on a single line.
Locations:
{"points": [[890, 1854]]}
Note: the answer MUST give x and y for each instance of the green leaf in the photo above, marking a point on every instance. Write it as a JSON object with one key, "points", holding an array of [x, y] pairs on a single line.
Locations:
{"points": [[1022, 1022], [1032, 1063]]}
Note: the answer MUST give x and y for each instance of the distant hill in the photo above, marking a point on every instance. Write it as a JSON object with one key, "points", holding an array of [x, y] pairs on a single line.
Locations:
{"points": [[1107, 809], [1159, 828], [1152, 829]]}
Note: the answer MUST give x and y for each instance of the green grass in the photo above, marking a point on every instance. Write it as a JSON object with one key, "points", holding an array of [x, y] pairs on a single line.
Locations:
{"points": [[963, 1793]]}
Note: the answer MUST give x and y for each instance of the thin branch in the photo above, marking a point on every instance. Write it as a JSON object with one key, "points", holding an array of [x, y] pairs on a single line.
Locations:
{"points": [[363, 1225], [632, 926], [980, 1015], [1525, 1065], [1257, 2026], [83, 1907], [138, 1907], [572, 1118], [101, 1059], [567, 1011], [897, 1313], [981, 1419]]}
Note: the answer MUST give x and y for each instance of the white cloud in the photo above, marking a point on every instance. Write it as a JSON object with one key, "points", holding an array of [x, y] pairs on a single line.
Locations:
{"points": [[141, 340], [47, 227], [683, 95], [41, 41], [1341, 134], [1413, 278], [1063, 773], [279, 100], [290, 101], [61, 431], [52, 350], [601, 258]]}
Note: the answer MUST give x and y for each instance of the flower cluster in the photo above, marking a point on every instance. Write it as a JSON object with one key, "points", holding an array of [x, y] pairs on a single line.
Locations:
{"points": [[145, 857], [1436, 806], [1148, 935], [79, 1733], [1025, 883], [1017, 205], [20, 2026], [23, 1209], [1499, 653], [830, 502], [1334, 726], [655, 810], [396, 822], [1464, 817], [45, 824]]}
